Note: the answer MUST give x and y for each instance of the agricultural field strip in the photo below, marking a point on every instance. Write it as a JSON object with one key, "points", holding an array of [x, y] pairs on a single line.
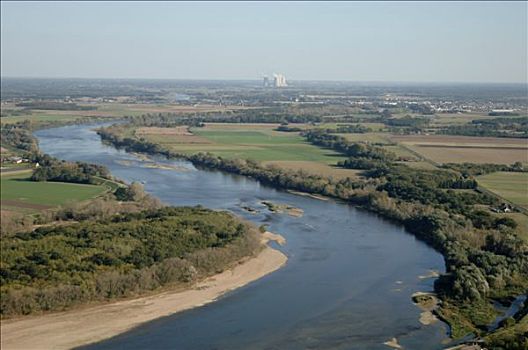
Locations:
{"points": [[254, 141], [511, 186], [18, 192]]}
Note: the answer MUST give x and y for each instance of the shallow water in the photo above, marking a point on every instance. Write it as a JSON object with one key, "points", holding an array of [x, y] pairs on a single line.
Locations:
{"points": [[347, 285]]}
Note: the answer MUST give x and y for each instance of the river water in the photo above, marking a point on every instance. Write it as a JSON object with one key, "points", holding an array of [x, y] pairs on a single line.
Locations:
{"points": [[347, 284]]}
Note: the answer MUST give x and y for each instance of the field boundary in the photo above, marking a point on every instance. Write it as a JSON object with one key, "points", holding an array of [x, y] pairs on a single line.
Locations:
{"points": [[417, 154], [491, 193]]}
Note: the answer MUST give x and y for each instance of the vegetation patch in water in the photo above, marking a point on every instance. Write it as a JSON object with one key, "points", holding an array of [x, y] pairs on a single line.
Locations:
{"points": [[283, 208]]}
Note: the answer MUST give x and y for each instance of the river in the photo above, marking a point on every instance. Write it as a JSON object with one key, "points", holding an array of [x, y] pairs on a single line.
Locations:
{"points": [[347, 284]]}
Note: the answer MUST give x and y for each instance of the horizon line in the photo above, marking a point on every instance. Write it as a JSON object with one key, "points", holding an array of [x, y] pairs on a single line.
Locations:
{"points": [[258, 80]]}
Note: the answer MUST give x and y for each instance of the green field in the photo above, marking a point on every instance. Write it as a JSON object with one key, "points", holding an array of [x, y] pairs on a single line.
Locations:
{"points": [[371, 137], [509, 185], [262, 145], [259, 142], [18, 192]]}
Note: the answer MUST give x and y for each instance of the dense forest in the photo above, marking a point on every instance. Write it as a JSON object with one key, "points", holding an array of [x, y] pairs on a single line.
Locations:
{"points": [[51, 169], [18, 136], [484, 257], [55, 267]]}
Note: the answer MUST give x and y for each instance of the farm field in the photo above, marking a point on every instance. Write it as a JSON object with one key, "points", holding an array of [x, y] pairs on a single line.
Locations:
{"points": [[316, 168], [369, 136], [445, 119], [460, 149], [448, 154], [110, 110], [248, 141], [21, 195], [509, 185], [460, 140]]}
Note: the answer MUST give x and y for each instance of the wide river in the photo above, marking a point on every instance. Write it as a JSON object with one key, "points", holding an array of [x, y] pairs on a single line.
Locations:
{"points": [[347, 284]]}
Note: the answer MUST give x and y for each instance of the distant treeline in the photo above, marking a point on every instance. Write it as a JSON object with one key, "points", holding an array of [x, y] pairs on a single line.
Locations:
{"points": [[53, 268], [408, 121], [474, 169], [51, 105], [497, 127], [505, 113], [286, 128], [249, 116]]}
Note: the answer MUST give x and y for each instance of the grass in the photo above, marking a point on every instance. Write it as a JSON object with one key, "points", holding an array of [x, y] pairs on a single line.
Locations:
{"points": [[450, 154], [445, 148], [420, 165], [401, 152], [509, 185], [369, 136], [316, 168], [444, 119], [458, 149], [17, 191], [259, 142]]}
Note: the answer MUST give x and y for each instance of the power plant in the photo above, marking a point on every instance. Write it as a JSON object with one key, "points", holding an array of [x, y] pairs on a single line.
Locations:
{"points": [[279, 81]]}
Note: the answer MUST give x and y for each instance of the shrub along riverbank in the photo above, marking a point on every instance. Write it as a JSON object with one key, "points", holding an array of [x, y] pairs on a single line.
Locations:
{"points": [[484, 258]]}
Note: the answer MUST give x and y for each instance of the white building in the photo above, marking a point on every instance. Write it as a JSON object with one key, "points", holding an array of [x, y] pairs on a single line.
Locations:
{"points": [[279, 80]]}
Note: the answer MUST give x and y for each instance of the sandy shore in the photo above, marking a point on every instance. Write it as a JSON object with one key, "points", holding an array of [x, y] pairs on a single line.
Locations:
{"points": [[65, 330], [311, 195]]}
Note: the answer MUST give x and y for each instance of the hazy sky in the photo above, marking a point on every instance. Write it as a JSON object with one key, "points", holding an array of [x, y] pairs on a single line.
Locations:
{"points": [[359, 41]]}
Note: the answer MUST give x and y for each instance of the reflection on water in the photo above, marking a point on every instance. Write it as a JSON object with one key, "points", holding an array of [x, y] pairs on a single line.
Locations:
{"points": [[347, 284]]}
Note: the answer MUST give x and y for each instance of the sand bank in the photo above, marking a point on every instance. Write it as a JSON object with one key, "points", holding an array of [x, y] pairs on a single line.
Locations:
{"points": [[311, 195], [283, 208], [393, 343], [427, 302], [68, 329]]}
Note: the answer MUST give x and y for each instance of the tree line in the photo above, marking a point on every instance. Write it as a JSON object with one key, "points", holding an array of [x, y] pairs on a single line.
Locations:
{"points": [[52, 169]]}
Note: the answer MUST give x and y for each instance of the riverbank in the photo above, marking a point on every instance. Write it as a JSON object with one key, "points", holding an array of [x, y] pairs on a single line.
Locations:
{"points": [[429, 224], [66, 330]]}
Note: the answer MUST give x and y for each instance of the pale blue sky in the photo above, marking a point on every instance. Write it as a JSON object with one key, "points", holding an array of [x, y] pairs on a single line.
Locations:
{"points": [[358, 41]]}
